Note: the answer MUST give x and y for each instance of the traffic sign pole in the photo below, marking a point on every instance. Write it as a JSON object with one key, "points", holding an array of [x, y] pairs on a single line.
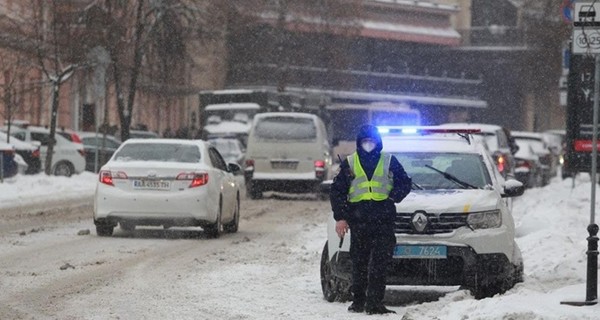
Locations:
{"points": [[586, 18]]}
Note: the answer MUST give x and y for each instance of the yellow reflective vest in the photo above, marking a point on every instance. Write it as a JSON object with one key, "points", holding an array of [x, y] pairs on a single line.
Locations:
{"points": [[380, 185]]}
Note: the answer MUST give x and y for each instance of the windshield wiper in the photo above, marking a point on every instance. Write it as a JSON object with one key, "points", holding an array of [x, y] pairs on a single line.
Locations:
{"points": [[452, 178], [417, 186]]}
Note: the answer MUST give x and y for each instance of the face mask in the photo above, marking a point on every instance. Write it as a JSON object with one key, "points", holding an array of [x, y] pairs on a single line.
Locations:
{"points": [[368, 146]]}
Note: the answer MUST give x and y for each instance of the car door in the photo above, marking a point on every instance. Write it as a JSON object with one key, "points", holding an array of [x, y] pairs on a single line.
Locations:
{"points": [[225, 181]]}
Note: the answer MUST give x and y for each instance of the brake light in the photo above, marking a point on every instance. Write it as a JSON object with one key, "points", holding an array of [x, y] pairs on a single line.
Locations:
{"points": [[36, 153], [107, 176], [75, 138], [197, 179], [500, 162], [319, 164], [249, 163], [523, 164]]}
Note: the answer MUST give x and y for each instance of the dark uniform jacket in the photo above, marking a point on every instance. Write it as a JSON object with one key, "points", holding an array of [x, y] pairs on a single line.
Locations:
{"points": [[368, 212]]}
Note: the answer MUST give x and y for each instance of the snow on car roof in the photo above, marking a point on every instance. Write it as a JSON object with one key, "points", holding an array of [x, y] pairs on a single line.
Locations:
{"points": [[285, 114], [484, 127], [228, 127]]}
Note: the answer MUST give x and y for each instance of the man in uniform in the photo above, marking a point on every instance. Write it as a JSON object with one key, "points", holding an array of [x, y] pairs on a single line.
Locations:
{"points": [[362, 196]]}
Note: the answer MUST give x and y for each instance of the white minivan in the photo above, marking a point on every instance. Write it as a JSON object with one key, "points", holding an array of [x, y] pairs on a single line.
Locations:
{"points": [[287, 152]]}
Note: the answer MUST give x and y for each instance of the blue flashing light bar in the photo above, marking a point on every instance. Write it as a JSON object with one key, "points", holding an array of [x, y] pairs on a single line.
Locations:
{"points": [[399, 130]]}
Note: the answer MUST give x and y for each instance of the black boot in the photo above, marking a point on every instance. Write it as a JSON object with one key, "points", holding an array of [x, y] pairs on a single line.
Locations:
{"points": [[378, 309], [357, 307]]}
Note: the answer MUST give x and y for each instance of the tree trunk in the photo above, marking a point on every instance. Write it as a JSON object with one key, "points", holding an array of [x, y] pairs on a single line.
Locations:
{"points": [[52, 140]]}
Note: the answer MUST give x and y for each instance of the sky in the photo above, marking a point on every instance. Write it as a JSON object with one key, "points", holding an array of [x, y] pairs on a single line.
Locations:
{"points": [[551, 231]]}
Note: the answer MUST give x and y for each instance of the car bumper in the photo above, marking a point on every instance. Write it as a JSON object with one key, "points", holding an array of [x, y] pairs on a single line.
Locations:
{"points": [[185, 208], [483, 254], [462, 267]]}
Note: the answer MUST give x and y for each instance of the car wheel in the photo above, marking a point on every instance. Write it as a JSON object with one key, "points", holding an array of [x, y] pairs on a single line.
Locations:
{"points": [[104, 230], [63, 169], [127, 226], [330, 284], [233, 226], [254, 192], [214, 231]]}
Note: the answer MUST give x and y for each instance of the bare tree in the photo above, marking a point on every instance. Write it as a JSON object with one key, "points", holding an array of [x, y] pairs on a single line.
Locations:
{"points": [[148, 38], [13, 87]]}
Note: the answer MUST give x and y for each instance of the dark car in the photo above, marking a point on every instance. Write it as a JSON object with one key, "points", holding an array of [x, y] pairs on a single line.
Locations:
{"points": [[96, 143], [9, 166], [28, 151]]}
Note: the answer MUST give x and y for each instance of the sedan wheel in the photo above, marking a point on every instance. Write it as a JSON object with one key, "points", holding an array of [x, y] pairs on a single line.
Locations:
{"points": [[214, 231], [63, 169], [233, 226]]}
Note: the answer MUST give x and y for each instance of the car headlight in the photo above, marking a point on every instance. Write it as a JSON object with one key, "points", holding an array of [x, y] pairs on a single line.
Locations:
{"points": [[485, 219]]}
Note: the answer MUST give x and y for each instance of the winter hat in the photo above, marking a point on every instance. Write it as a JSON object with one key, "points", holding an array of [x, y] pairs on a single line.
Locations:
{"points": [[369, 131]]}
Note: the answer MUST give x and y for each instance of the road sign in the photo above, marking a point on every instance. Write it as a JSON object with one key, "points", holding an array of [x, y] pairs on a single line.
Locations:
{"points": [[586, 40], [586, 14], [586, 28], [567, 10]]}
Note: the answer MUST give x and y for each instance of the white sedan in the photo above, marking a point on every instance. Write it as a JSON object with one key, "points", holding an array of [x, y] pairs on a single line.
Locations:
{"points": [[168, 182]]}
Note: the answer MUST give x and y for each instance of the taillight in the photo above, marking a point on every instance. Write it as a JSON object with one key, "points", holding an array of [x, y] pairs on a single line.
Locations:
{"points": [[500, 162], [36, 153], [249, 164], [319, 168], [75, 138], [523, 164], [107, 176], [197, 179]]}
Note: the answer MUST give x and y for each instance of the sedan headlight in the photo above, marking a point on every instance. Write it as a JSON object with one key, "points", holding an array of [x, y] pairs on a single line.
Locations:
{"points": [[485, 219]]}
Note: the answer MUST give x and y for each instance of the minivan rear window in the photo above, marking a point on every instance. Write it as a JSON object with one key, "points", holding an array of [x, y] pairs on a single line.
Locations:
{"points": [[286, 128]]}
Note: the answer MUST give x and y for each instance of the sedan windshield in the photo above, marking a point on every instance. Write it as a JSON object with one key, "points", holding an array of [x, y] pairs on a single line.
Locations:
{"points": [[468, 169], [166, 152]]}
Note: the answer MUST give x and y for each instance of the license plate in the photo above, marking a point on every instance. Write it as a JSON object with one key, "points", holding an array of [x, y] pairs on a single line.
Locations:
{"points": [[284, 165], [421, 252], [151, 184]]}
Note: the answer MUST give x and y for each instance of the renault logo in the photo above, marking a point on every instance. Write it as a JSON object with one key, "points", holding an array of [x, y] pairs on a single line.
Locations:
{"points": [[419, 221]]}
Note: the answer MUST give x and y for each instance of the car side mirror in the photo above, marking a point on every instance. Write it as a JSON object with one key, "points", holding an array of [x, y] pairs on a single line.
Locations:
{"points": [[513, 188], [234, 167]]}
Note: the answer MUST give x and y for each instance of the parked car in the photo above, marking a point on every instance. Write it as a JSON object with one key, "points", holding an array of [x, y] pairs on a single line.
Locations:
{"points": [[287, 152], [98, 146], [500, 143], [29, 151], [230, 148], [454, 228], [528, 168], [538, 144], [9, 166], [168, 182], [68, 134], [68, 157], [556, 142]]}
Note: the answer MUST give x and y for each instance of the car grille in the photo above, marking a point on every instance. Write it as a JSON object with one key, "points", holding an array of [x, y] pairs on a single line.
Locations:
{"points": [[443, 223]]}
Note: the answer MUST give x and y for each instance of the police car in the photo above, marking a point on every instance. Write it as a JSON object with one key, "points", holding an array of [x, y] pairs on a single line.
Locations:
{"points": [[455, 228]]}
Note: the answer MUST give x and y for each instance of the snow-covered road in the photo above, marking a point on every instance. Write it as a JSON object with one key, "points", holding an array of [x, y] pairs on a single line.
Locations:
{"points": [[51, 268]]}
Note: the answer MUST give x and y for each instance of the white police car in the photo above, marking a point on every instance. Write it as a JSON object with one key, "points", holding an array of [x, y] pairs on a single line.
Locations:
{"points": [[455, 228]]}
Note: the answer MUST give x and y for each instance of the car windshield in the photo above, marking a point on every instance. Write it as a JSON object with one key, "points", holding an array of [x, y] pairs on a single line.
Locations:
{"points": [[468, 168], [166, 152], [286, 128]]}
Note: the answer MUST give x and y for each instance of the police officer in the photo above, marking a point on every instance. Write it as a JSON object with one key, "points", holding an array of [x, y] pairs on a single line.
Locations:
{"points": [[362, 196]]}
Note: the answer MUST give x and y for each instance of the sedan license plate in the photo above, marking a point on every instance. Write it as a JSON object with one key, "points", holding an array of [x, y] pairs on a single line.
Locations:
{"points": [[151, 184], [420, 252]]}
